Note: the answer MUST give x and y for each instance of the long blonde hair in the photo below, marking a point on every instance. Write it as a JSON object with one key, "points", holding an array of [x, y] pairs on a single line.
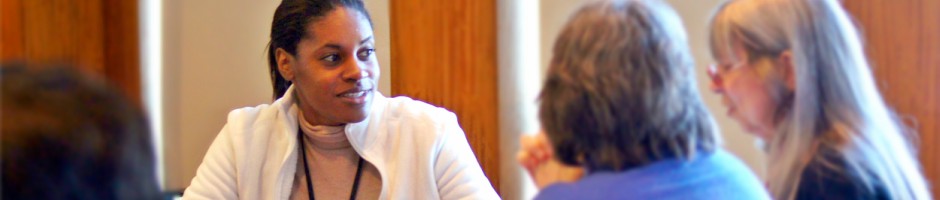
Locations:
{"points": [[835, 104]]}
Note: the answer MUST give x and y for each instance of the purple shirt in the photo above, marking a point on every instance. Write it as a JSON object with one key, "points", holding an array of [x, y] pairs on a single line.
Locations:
{"points": [[717, 175]]}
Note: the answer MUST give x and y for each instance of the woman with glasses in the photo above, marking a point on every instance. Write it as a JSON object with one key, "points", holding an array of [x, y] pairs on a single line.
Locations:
{"points": [[794, 73]]}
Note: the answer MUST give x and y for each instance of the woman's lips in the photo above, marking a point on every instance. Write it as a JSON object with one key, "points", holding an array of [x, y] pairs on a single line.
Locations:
{"points": [[355, 96]]}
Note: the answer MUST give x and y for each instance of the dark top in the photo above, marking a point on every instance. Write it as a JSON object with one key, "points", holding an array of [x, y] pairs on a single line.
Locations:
{"points": [[828, 177]]}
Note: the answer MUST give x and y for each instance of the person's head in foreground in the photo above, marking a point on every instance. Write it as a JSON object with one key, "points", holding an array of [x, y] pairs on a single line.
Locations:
{"points": [[794, 73], [66, 135], [620, 100]]}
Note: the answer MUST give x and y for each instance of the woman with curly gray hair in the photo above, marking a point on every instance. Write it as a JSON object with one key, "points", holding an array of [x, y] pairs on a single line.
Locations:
{"points": [[620, 102]]}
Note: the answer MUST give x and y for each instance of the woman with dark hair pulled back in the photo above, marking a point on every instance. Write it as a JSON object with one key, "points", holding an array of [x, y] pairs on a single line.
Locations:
{"points": [[330, 134]]}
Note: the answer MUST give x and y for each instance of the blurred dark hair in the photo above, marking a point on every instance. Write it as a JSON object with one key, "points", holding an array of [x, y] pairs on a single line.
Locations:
{"points": [[289, 27], [69, 136], [620, 90]]}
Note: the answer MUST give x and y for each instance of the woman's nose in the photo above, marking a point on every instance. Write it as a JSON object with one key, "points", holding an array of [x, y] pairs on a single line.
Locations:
{"points": [[716, 83], [355, 72]]}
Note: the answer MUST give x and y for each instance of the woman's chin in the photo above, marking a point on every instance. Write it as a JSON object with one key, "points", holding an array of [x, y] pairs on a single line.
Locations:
{"points": [[355, 116], [354, 113], [357, 120], [762, 133], [751, 129]]}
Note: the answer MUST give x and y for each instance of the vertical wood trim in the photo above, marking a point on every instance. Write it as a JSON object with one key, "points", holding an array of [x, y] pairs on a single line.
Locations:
{"points": [[98, 36], [11, 32], [903, 43], [122, 46], [444, 53], [65, 31]]}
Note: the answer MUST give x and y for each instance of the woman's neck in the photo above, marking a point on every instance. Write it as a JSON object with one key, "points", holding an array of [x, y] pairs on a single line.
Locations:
{"points": [[322, 137]]}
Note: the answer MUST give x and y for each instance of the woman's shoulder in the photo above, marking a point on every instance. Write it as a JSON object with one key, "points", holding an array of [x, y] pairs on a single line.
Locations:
{"points": [[249, 125], [406, 119], [828, 176], [710, 175], [247, 116], [714, 174], [405, 108], [263, 114]]}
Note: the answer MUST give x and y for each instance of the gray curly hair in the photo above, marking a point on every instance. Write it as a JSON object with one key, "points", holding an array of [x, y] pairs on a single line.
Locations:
{"points": [[620, 90]]}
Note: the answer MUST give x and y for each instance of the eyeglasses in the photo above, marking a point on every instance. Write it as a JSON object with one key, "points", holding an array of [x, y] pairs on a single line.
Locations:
{"points": [[720, 72], [716, 72]]}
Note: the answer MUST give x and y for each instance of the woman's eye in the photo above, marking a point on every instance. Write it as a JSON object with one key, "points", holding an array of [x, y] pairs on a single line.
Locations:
{"points": [[366, 53], [332, 58], [726, 67]]}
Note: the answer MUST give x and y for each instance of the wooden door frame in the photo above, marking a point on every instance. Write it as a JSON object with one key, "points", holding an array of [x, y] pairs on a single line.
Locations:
{"points": [[98, 36], [444, 53]]}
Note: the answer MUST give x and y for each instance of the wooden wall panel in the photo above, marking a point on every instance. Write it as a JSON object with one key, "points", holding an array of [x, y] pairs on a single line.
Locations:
{"points": [[444, 53], [98, 36], [122, 46], [11, 30], [903, 43], [64, 31]]}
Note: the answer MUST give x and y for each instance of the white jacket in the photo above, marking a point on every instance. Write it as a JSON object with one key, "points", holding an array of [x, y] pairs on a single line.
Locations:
{"points": [[419, 150]]}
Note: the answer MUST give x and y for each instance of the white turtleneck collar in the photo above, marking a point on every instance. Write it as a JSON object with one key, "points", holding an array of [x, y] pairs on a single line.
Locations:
{"points": [[323, 137]]}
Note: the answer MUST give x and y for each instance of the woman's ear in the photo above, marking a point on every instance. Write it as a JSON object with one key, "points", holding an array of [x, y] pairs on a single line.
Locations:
{"points": [[284, 61], [787, 69]]}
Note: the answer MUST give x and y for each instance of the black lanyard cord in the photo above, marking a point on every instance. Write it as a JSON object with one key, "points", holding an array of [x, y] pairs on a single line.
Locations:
{"points": [[303, 153]]}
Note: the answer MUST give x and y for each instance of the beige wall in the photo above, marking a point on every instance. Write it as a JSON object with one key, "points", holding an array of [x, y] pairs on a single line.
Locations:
{"points": [[215, 61]]}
